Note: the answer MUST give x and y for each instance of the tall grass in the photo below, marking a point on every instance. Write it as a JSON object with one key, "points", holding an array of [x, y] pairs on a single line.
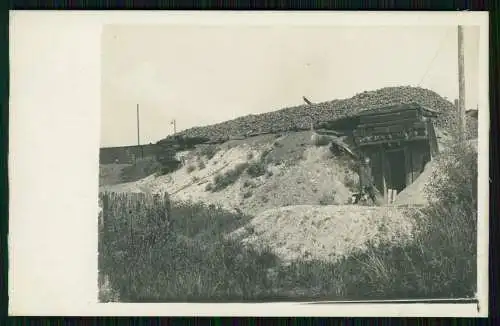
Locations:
{"points": [[190, 259]]}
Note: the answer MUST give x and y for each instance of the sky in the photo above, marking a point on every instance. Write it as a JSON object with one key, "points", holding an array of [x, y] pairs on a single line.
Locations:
{"points": [[200, 75]]}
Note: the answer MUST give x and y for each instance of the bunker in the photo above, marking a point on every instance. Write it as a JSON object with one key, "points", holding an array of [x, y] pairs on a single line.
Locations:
{"points": [[399, 140]]}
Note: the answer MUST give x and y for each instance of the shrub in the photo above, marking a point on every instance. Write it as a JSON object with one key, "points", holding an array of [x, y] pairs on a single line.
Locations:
{"points": [[256, 169], [201, 165], [249, 156], [222, 181], [191, 168]]}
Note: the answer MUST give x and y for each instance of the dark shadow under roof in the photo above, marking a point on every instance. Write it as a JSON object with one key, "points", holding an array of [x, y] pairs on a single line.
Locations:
{"points": [[351, 121]]}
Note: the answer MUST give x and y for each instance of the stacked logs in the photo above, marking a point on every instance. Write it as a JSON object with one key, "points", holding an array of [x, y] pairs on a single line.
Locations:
{"points": [[300, 117]]}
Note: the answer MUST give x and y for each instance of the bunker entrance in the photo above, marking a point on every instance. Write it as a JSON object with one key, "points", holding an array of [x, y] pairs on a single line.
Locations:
{"points": [[396, 170], [399, 140]]}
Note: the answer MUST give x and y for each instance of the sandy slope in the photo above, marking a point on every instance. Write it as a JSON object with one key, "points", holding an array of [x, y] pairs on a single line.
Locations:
{"points": [[324, 232], [297, 173], [414, 193]]}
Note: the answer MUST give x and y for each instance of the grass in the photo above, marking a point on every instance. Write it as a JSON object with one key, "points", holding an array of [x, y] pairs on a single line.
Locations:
{"points": [[256, 169], [222, 181], [192, 261]]}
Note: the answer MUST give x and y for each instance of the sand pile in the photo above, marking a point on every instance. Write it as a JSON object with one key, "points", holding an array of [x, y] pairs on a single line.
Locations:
{"points": [[317, 179], [324, 232], [414, 193]]}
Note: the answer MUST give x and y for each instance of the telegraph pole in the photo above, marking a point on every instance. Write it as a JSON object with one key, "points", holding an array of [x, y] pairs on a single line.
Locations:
{"points": [[175, 126], [461, 85], [138, 134]]}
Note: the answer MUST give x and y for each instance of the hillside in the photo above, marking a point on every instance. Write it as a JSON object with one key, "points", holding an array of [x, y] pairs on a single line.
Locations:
{"points": [[279, 204], [271, 172], [282, 172], [300, 117]]}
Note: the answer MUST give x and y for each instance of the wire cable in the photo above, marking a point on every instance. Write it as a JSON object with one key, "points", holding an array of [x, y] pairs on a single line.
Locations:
{"points": [[434, 58]]}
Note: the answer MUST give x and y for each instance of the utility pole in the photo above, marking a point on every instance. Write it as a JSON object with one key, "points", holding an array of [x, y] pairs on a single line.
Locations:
{"points": [[138, 134], [175, 126], [461, 85]]}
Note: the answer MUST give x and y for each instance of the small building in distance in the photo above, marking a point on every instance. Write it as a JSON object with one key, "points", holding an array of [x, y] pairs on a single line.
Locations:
{"points": [[125, 154]]}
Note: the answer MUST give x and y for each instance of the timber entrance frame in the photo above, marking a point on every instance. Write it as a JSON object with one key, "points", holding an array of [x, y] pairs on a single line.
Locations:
{"points": [[399, 140]]}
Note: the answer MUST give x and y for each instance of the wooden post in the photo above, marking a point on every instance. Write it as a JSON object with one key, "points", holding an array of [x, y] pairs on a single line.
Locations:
{"points": [[383, 167], [138, 135], [461, 85], [407, 165], [174, 123]]}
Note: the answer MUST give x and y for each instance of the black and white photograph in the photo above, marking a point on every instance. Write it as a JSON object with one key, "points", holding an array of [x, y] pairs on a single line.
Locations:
{"points": [[288, 163], [249, 164]]}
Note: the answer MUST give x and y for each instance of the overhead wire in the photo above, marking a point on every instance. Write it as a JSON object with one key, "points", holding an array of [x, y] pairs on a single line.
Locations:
{"points": [[441, 43]]}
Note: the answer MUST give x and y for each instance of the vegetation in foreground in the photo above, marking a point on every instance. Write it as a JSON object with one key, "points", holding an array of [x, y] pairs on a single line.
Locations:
{"points": [[190, 260]]}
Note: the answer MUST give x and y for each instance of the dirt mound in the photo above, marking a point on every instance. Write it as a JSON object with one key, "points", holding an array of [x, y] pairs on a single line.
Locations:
{"points": [[414, 193], [299, 117], [324, 232]]}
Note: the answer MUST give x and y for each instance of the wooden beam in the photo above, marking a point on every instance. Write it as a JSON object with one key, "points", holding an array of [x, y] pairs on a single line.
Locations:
{"points": [[383, 168], [408, 166], [461, 85]]}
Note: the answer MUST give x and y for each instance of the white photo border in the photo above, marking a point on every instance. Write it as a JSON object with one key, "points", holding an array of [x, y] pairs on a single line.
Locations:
{"points": [[55, 100]]}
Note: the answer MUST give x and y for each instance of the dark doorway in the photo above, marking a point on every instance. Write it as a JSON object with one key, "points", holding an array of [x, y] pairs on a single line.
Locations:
{"points": [[397, 170]]}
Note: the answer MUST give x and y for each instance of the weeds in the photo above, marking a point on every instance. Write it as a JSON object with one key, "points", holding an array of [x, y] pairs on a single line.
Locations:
{"points": [[222, 181], [256, 169]]}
